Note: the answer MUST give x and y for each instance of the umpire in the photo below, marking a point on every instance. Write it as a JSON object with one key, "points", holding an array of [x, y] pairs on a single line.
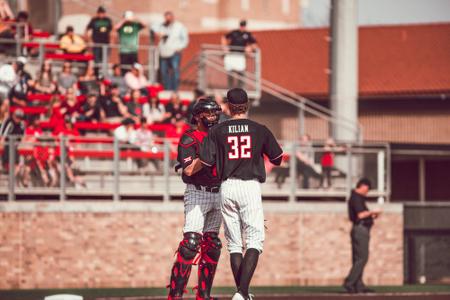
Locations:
{"points": [[362, 219]]}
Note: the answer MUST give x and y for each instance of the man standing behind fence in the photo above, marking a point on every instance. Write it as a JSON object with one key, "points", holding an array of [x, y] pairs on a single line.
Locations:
{"points": [[98, 31], [173, 38], [128, 30], [241, 42]]}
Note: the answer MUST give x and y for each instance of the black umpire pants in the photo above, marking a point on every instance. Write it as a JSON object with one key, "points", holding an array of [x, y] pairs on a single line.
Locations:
{"points": [[360, 236]]}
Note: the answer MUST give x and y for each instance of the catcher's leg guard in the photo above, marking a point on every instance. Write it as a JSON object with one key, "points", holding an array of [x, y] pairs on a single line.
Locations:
{"points": [[210, 253], [181, 270]]}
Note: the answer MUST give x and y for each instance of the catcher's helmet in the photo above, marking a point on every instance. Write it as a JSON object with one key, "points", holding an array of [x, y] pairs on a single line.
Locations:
{"points": [[206, 105]]}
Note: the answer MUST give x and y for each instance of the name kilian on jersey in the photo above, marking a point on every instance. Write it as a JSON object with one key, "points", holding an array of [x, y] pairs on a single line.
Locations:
{"points": [[237, 128]]}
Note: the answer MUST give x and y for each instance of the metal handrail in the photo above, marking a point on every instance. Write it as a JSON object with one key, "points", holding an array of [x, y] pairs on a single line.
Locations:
{"points": [[278, 94], [280, 90]]}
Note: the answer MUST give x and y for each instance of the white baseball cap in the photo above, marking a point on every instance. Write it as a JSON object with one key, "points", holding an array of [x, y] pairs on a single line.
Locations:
{"points": [[22, 59], [128, 15]]}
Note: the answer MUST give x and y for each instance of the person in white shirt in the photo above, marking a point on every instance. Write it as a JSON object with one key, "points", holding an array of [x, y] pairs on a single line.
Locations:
{"points": [[153, 110], [135, 80], [173, 38]]}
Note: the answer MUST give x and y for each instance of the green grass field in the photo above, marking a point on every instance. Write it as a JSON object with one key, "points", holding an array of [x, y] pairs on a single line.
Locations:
{"points": [[136, 292]]}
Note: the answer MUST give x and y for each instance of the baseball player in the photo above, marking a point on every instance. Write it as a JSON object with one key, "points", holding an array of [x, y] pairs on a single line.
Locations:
{"points": [[236, 147], [201, 208]]}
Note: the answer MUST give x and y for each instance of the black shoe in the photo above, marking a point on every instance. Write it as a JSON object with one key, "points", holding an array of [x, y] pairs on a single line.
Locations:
{"points": [[365, 290], [349, 289]]}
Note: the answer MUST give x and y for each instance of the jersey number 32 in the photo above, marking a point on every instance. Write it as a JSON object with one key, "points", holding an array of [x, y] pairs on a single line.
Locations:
{"points": [[240, 146]]}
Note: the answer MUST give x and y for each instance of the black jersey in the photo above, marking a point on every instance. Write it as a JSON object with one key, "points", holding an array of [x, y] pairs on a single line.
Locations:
{"points": [[236, 147], [188, 149]]}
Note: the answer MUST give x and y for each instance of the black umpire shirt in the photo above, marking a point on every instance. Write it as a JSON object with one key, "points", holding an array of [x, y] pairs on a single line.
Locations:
{"points": [[188, 149], [357, 204], [237, 146]]}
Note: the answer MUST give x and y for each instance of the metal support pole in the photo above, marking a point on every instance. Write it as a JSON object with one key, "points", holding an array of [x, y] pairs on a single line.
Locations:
{"points": [[422, 183], [381, 171], [258, 73], [116, 166], [349, 171], [41, 53], [151, 66], [62, 154], [293, 173], [105, 60], [12, 167], [201, 73], [166, 167], [301, 119]]}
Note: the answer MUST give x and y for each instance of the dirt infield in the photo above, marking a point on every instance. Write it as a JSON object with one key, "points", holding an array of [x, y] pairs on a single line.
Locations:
{"points": [[328, 296]]}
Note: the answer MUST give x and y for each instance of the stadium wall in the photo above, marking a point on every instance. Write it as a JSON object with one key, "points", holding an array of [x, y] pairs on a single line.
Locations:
{"points": [[79, 245]]}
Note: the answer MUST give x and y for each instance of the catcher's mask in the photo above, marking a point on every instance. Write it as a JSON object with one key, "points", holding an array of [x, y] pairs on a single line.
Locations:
{"points": [[206, 105]]}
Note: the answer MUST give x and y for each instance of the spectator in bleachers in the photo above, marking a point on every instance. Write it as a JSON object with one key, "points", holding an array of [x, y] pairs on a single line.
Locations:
{"points": [[305, 161], [243, 43], [7, 33], [178, 128], [66, 78], [18, 94], [143, 139], [125, 133], [71, 42], [24, 30], [113, 105], [88, 82], [175, 110], [45, 81], [134, 107], [173, 38], [91, 111], [6, 13], [327, 161], [98, 31], [135, 79], [128, 30], [153, 110], [14, 125], [67, 129], [117, 78], [70, 108]]}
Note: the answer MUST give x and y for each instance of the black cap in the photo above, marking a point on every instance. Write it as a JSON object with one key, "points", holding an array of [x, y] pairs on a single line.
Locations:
{"points": [[101, 9], [237, 96], [243, 23], [69, 29], [364, 181], [128, 121]]}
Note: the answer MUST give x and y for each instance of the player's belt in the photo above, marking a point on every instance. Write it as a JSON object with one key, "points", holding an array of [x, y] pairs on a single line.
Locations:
{"points": [[210, 189]]}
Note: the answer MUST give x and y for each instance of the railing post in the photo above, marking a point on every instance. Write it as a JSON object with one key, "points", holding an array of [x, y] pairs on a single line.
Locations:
{"points": [[349, 171], [104, 60], [151, 65], [116, 170], [41, 53], [293, 173], [201, 72], [380, 175], [12, 168], [62, 157], [258, 73], [301, 118], [166, 168]]}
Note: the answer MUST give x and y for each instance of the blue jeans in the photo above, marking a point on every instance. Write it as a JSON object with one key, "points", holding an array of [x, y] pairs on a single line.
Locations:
{"points": [[170, 71]]}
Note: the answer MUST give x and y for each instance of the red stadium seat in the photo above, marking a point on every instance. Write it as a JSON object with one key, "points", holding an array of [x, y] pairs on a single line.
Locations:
{"points": [[75, 57]]}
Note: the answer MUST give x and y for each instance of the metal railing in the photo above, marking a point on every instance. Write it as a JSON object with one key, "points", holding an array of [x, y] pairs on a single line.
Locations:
{"points": [[211, 79], [212, 74], [148, 55], [65, 168]]}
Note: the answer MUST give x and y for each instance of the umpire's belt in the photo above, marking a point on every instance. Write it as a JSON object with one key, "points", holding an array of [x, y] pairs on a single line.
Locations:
{"points": [[211, 189]]}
